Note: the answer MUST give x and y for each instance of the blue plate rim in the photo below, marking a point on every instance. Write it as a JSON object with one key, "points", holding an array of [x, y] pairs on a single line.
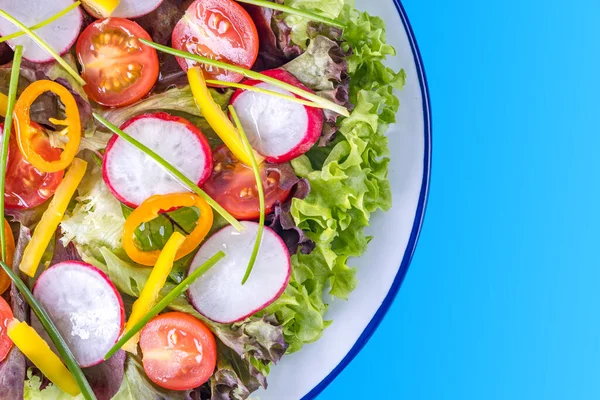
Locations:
{"points": [[417, 224]]}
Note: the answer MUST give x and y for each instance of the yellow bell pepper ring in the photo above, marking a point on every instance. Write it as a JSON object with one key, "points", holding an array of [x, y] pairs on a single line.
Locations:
{"points": [[152, 208], [51, 219], [37, 350], [27, 131], [152, 288], [217, 119]]}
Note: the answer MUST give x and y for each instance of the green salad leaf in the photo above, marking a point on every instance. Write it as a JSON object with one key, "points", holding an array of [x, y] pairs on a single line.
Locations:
{"points": [[348, 179], [33, 390], [326, 8]]}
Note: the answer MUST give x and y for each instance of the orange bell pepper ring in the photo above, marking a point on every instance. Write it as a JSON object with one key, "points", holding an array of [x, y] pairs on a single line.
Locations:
{"points": [[152, 208], [10, 251], [27, 132]]}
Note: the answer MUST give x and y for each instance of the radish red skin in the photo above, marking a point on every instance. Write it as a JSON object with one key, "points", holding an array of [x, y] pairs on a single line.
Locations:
{"points": [[206, 173], [284, 285], [315, 115], [110, 284]]}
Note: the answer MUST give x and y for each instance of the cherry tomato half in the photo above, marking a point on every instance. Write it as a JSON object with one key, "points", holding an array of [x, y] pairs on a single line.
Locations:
{"points": [[26, 187], [6, 315], [233, 186], [118, 68], [178, 351], [218, 29]]}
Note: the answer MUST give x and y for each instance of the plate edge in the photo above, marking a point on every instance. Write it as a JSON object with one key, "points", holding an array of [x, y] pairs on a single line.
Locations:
{"points": [[417, 224]]}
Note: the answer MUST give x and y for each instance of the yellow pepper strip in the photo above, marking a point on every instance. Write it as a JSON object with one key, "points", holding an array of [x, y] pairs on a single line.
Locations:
{"points": [[37, 350], [217, 119], [52, 216], [27, 131], [103, 8], [151, 289], [3, 104]]}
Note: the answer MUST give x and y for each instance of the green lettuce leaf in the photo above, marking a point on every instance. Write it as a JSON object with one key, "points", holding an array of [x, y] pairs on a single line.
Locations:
{"points": [[96, 219], [33, 390], [326, 8], [348, 180]]}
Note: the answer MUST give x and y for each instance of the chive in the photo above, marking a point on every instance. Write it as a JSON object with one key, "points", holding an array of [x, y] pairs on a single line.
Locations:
{"points": [[261, 192], [327, 104], [42, 24], [172, 170], [63, 350], [161, 305], [294, 11], [256, 89], [43, 45], [12, 97]]}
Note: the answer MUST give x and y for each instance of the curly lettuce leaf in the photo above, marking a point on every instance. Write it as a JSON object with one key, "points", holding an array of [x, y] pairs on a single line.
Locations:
{"points": [[96, 219], [348, 177], [33, 390], [326, 8]]}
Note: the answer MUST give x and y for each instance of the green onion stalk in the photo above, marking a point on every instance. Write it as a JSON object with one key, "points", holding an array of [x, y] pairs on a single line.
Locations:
{"points": [[164, 303], [63, 350], [12, 98], [42, 24], [42, 43], [172, 170], [324, 103], [260, 189], [294, 11]]}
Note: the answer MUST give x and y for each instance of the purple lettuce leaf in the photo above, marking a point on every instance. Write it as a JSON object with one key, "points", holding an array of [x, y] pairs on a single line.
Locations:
{"points": [[13, 369], [106, 378]]}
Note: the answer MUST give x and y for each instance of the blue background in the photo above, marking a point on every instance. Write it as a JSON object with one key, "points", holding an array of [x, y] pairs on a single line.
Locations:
{"points": [[501, 300]]}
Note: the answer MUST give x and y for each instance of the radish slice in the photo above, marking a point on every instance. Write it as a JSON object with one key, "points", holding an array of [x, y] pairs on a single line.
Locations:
{"points": [[129, 8], [132, 176], [60, 34], [219, 294], [278, 129], [84, 305]]}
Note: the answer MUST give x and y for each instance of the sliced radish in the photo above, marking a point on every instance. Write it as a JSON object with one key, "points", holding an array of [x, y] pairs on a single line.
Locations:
{"points": [[219, 294], [278, 129], [60, 34], [132, 176], [84, 305], [128, 8]]}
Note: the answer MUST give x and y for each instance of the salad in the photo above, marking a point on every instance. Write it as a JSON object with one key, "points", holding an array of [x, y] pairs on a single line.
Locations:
{"points": [[185, 183]]}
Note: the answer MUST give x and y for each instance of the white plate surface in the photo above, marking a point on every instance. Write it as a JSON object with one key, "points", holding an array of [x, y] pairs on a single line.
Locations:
{"points": [[380, 271]]}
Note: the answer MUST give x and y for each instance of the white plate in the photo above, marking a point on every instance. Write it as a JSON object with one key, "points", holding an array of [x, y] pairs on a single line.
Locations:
{"points": [[305, 374]]}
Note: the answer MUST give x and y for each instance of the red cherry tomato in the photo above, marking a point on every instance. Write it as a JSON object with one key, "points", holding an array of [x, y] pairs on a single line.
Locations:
{"points": [[26, 187], [118, 68], [178, 351], [6, 315], [218, 29], [233, 186]]}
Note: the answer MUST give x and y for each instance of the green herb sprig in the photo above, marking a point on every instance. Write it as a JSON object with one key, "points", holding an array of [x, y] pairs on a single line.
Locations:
{"points": [[259, 187], [257, 89], [161, 305], [172, 170], [42, 24], [294, 11], [12, 98], [42, 43], [63, 350], [324, 103]]}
